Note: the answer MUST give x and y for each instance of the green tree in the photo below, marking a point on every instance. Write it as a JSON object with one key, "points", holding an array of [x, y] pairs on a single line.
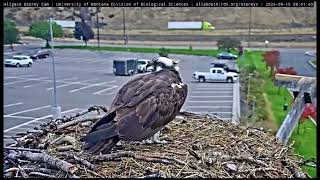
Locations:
{"points": [[41, 30], [83, 32], [10, 33]]}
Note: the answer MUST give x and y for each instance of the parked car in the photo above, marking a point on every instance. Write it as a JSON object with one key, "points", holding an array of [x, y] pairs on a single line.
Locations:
{"points": [[125, 66], [225, 55], [224, 66], [216, 74], [40, 54], [19, 61], [142, 65]]}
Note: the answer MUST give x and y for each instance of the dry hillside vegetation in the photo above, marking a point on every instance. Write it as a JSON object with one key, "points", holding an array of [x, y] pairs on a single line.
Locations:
{"points": [[157, 17]]}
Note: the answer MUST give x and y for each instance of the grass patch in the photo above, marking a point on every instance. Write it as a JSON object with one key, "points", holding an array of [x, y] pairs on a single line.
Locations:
{"points": [[314, 62], [305, 143], [201, 52], [271, 99]]}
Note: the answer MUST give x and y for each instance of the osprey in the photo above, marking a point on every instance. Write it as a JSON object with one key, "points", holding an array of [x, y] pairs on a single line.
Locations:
{"points": [[141, 108]]}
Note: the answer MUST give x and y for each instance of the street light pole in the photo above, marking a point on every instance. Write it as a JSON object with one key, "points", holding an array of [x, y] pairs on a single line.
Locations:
{"points": [[124, 27], [98, 27], [56, 110]]}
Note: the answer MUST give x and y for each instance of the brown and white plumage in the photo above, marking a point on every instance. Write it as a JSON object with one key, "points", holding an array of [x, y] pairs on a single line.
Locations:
{"points": [[142, 107]]}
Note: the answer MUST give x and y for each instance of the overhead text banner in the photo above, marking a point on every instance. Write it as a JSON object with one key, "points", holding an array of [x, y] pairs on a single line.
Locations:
{"points": [[146, 3]]}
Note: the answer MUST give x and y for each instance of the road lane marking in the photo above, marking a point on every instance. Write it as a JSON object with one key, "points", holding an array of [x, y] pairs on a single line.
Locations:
{"points": [[17, 77], [26, 80], [74, 78], [60, 81], [209, 101], [37, 119], [104, 90], [215, 88], [72, 83], [211, 96], [208, 106], [21, 117], [92, 85], [209, 92], [207, 112], [28, 110], [14, 104]]}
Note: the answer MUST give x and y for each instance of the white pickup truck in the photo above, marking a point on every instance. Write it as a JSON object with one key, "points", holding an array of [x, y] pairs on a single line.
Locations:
{"points": [[216, 74]]}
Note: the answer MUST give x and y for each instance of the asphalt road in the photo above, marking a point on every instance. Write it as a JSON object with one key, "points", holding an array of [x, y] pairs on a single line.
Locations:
{"points": [[294, 57], [273, 38], [297, 59], [85, 78]]}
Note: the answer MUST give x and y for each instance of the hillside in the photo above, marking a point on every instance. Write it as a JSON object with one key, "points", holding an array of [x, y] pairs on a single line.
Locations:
{"points": [[157, 18]]}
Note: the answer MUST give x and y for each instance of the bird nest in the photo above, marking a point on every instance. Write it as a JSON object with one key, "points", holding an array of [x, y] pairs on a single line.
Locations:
{"points": [[197, 146]]}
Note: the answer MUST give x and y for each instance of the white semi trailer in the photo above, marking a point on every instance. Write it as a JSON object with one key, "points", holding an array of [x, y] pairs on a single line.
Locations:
{"points": [[189, 25]]}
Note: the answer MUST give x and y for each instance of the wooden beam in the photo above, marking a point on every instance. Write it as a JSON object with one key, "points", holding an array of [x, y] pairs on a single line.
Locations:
{"points": [[287, 77]]}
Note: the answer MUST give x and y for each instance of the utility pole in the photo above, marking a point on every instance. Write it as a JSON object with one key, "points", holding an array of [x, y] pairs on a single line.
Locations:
{"points": [[124, 27], [98, 26], [56, 110], [249, 35]]}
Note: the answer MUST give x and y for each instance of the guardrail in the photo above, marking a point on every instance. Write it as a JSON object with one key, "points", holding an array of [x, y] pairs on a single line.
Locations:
{"points": [[292, 118]]}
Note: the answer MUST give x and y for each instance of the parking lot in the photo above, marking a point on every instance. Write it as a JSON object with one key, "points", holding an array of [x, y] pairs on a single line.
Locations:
{"points": [[85, 78]]}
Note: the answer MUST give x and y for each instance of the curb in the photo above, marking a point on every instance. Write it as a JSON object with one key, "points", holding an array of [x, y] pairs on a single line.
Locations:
{"points": [[236, 103]]}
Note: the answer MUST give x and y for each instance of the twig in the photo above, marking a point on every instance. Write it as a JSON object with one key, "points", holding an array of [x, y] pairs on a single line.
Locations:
{"points": [[71, 123], [56, 140], [258, 169], [110, 157], [14, 169], [71, 140], [157, 175], [239, 158], [65, 148], [22, 149], [45, 158], [41, 174], [22, 172], [92, 108], [96, 174], [84, 162]]}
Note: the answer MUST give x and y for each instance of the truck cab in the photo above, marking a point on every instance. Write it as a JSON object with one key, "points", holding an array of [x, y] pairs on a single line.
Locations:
{"points": [[216, 74]]}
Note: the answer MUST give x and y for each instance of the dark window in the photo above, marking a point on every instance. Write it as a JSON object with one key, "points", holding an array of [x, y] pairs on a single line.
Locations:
{"points": [[214, 71], [219, 71]]}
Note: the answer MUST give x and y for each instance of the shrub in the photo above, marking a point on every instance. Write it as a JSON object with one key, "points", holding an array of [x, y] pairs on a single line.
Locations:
{"points": [[164, 52], [287, 70], [228, 43]]}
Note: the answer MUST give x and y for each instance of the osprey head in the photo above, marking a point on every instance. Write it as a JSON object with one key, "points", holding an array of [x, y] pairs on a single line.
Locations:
{"points": [[165, 63]]}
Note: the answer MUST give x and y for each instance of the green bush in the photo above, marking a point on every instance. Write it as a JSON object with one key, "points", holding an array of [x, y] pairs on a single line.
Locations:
{"points": [[228, 44], [164, 52]]}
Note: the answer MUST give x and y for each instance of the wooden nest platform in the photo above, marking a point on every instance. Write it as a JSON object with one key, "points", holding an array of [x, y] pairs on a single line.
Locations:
{"points": [[198, 146]]}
